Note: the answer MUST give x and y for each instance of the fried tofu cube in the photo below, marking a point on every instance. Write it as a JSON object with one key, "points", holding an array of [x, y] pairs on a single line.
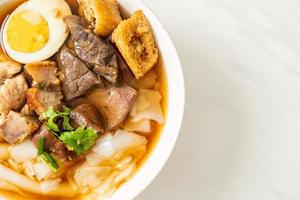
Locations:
{"points": [[103, 15], [134, 39]]}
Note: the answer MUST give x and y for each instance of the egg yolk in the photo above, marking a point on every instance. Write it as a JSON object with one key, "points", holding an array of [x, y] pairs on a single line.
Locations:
{"points": [[27, 32]]}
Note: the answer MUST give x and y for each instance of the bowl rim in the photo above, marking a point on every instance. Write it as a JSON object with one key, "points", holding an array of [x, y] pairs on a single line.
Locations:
{"points": [[175, 108], [156, 161]]}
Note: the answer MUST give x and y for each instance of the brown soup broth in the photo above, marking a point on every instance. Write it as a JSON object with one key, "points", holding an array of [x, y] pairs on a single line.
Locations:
{"points": [[152, 137]]}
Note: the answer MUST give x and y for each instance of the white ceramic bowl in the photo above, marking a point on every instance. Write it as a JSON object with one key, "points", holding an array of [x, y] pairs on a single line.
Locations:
{"points": [[175, 108]]}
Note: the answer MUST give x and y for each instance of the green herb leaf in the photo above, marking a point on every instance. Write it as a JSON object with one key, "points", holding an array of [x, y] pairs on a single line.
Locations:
{"points": [[50, 161], [66, 111], [66, 124], [41, 145], [51, 124], [79, 140], [52, 115], [50, 112]]}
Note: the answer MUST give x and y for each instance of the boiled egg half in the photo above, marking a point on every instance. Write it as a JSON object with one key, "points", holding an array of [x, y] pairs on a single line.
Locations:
{"points": [[35, 30]]}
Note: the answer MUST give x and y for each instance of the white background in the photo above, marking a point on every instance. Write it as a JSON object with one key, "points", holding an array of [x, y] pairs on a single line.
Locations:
{"points": [[240, 138]]}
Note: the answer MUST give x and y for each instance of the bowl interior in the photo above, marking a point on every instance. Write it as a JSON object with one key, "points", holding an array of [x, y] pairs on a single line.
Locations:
{"points": [[176, 97]]}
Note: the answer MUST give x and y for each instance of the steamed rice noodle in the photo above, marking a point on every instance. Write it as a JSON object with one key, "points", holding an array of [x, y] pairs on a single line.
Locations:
{"points": [[23, 151], [50, 187], [147, 106], [112, 160], [146, 109]]}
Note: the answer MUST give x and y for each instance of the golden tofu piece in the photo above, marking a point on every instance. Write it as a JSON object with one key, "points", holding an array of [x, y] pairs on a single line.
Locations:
{"points": [[103, 15], [135, 41]]}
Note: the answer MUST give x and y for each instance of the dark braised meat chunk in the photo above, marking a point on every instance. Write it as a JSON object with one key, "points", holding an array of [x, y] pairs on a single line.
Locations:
{"points": [[113, 103], [16, 127], [43, 74], [40, 100], [75, 75], [99, 55], [77, 102], [87, 116], [52, 144]]}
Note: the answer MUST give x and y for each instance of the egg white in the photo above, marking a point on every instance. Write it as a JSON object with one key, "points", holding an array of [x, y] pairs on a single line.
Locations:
{"points": [[53, 12]]}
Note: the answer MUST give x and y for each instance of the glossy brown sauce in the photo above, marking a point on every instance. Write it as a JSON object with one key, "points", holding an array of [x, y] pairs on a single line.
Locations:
{"points": [[152, 137]]}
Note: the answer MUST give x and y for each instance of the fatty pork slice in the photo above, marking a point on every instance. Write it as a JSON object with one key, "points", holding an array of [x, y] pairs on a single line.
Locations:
{"points": [[76, 77], [43, 74], [16, 127], [52, 144], [26, 110], [12, 94], [8, 68], [93, 50], [113, 103], [40, 100]]}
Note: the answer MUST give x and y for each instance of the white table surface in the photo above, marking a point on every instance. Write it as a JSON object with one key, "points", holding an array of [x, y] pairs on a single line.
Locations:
{"points": [[240, 138]]}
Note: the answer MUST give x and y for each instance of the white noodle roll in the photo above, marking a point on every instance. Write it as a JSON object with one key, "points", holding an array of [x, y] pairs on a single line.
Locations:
{"points": [[142, 126], [121, 141], [23, 152], [108, 162], [87, 177], [4, 185], [125, 173], [4, 153], [146, 82], [50, 185], [122, 164], [42, 171], [110, 147], [28, 169], [147, 106], [14, 165], [111, 183], [107, 187], [26, 184]]}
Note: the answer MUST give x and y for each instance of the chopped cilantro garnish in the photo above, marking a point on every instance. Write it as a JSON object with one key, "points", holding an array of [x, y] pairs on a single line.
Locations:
{"points": [[53, 115], [79, 140], [66, 124]]}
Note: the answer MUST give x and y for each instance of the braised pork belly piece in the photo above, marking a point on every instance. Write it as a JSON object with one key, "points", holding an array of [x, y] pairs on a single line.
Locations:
{"points": [[26, 110], [17, 126], [40, 100], [8, 67], [12, 94], [43, 74]]}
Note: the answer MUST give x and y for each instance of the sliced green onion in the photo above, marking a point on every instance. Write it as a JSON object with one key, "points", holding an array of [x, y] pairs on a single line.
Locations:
{"points": [[50, 161], [41, 145]]}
